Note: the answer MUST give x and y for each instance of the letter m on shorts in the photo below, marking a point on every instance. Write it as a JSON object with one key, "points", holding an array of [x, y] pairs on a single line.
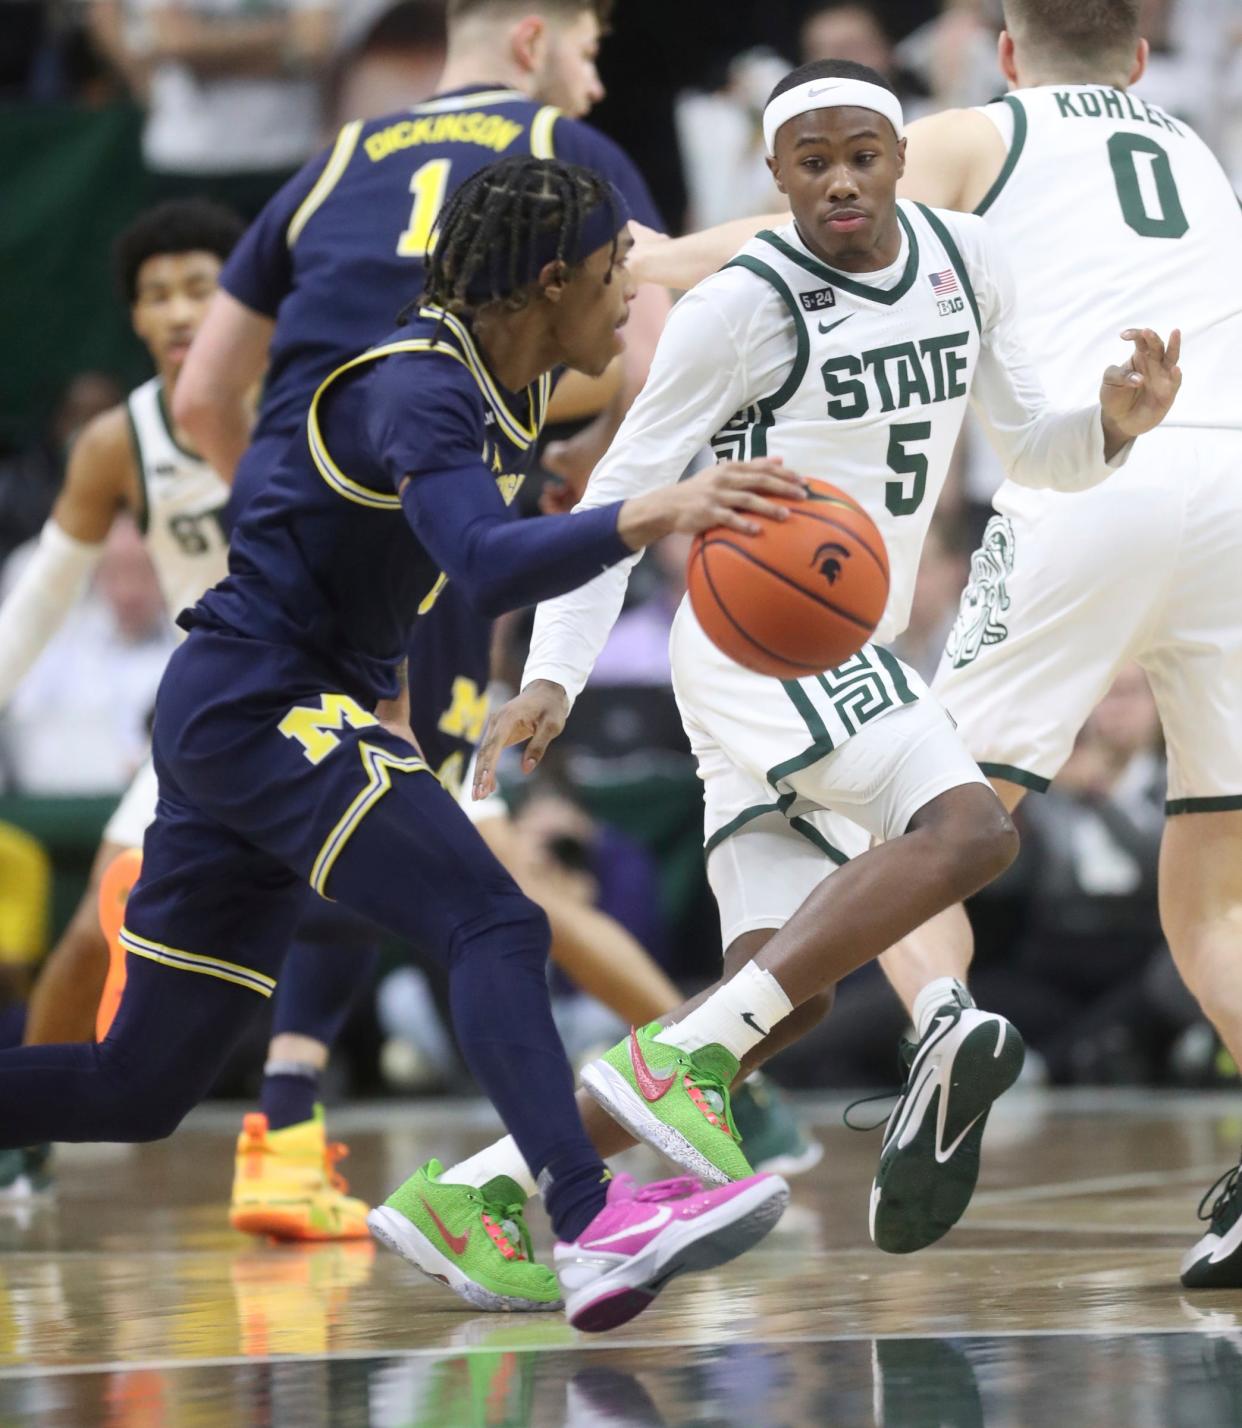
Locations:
{"points": [[313, 727]]}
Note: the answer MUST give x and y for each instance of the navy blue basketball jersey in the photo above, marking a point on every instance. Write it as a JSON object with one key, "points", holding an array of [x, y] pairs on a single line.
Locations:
{"points": [[340, 250], [324, 556], [449, 653]]}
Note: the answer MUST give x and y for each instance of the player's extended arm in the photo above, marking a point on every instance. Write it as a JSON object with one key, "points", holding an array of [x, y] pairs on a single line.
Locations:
{"points": [[262, 45], [501, 564], [699, 378], [680, 263], [213, 396], [69, 547], [574, 460], [952, 159], [1063, 450]]}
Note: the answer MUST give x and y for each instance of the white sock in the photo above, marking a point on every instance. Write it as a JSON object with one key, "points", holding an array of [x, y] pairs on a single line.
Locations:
{"points": [[737, 1016], [942, 992], [502, 1158]]}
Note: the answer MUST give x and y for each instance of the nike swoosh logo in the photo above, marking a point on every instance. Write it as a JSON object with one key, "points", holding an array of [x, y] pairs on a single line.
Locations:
{"points": [[823, 89], [457, 1243], [749, 1019], [651, 1085], [661, 1217], [838, 323]]}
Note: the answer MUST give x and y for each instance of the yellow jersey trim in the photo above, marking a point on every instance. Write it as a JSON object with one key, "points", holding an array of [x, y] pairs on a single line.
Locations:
{"points": [[479, 100], [541, 127], [182, 961], [338, 161], [519, 433], [336, 478], [380, 763]]}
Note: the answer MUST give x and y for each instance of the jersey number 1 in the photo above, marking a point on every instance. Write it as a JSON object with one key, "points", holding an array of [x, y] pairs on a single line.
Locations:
{"points": [[1131, 157], [428, 184]]}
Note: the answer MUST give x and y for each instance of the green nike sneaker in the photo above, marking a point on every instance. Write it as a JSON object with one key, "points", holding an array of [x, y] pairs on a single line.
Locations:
{"points": [[676, 1101], [774, 1140], [25, 1174], [474, 1240]]}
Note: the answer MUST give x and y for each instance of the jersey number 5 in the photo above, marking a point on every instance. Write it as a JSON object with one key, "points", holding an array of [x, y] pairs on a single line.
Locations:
{"points": [[899, 500], [428, 184], [1150, 202]]}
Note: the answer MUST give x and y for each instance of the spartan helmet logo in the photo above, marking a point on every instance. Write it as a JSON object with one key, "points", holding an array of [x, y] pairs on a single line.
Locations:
{"points": [[827, 560], [985, 598]]}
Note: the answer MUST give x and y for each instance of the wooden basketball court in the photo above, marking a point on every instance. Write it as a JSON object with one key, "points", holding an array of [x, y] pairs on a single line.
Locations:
{"points": [[128, 1302]]}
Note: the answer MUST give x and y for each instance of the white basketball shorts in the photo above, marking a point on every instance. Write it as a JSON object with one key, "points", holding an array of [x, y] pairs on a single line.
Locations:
{"points": [[1065, 589], [798, 776]]}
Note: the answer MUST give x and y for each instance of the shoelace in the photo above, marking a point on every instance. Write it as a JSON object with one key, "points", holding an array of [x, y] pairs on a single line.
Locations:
{"points": [[1221, 1204], [907, 1050], [866, 1101], [708, 1086], [504, 1224], [675, 1189], [333, 1152]]}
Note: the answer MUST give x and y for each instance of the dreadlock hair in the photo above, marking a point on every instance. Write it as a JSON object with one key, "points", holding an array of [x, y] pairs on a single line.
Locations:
{"points": [[487, 243], [182, 225]]}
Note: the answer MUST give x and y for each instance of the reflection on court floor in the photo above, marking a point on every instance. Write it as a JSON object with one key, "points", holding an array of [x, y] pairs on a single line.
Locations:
{"points": [[127, 1301]]}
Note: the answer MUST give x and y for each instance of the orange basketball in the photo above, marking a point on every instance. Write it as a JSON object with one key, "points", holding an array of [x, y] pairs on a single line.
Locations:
{"points": [[802, 595]]}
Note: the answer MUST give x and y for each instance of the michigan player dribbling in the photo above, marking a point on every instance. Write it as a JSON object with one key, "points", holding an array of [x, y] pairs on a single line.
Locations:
{"points": [[309, 286], [848, 342], [274, 770]]}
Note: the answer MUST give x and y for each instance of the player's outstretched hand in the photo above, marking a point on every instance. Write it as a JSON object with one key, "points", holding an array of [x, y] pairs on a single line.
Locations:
{"points": [[537, 714], [1137, 397], [729, 494]]}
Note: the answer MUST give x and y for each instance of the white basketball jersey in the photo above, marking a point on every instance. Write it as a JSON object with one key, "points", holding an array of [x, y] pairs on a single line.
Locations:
{"points": [[879, 384], [1114, 214], [184, 503]]}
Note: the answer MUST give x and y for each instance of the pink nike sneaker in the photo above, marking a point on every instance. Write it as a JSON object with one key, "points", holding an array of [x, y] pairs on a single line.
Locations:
{"points": [[648, 1234]]}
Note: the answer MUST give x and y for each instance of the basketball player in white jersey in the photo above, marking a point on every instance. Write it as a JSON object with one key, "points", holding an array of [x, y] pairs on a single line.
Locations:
{"points": [[847, 343], [1109, 208], [129, 459]]}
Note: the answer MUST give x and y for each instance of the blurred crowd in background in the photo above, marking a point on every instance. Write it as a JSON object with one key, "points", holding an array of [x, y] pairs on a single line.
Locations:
{"points": [[107, 105]]}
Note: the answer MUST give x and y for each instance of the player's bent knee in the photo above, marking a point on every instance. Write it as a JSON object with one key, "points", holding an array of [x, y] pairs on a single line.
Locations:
{"points": [[972, 826], [512, 926]]}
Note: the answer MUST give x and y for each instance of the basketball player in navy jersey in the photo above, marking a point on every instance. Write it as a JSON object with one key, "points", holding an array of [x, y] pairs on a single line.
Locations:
{"points": [[301, 293], [274, 770]]}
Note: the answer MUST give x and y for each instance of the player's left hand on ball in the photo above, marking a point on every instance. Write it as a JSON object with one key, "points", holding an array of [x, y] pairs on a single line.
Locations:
{"points": [[1137, 397], [537, 714]]}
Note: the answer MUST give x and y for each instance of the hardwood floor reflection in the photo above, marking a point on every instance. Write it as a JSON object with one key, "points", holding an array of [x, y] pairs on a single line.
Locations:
{"points": [[128, 1302]]}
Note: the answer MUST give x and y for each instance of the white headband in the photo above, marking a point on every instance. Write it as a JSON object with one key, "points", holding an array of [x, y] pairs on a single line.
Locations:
{"points": [[830, 94]]}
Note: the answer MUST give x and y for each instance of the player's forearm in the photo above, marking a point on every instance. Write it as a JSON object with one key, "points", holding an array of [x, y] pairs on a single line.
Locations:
{"points": [[680, 263], [1062, 451], [501, 564], [570, 632], [219, 429], [50, 584], [260, 46]]}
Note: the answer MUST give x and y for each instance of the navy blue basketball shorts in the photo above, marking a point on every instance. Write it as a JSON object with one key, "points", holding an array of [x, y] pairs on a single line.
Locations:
{"points": [[271, 777]]}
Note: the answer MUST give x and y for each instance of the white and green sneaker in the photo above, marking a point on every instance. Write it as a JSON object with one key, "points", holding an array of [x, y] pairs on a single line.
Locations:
{"points": [[675, 1101], [473, 1240], [929, 1162], [1214, 1261], [774, 1140]]}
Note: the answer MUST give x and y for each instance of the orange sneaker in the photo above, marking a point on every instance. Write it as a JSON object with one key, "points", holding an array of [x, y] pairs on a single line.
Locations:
{"points": [[285, 1184]]}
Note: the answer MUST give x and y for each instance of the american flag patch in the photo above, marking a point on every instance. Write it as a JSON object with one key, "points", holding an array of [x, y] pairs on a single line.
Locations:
{"points": [[943, 283]]}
